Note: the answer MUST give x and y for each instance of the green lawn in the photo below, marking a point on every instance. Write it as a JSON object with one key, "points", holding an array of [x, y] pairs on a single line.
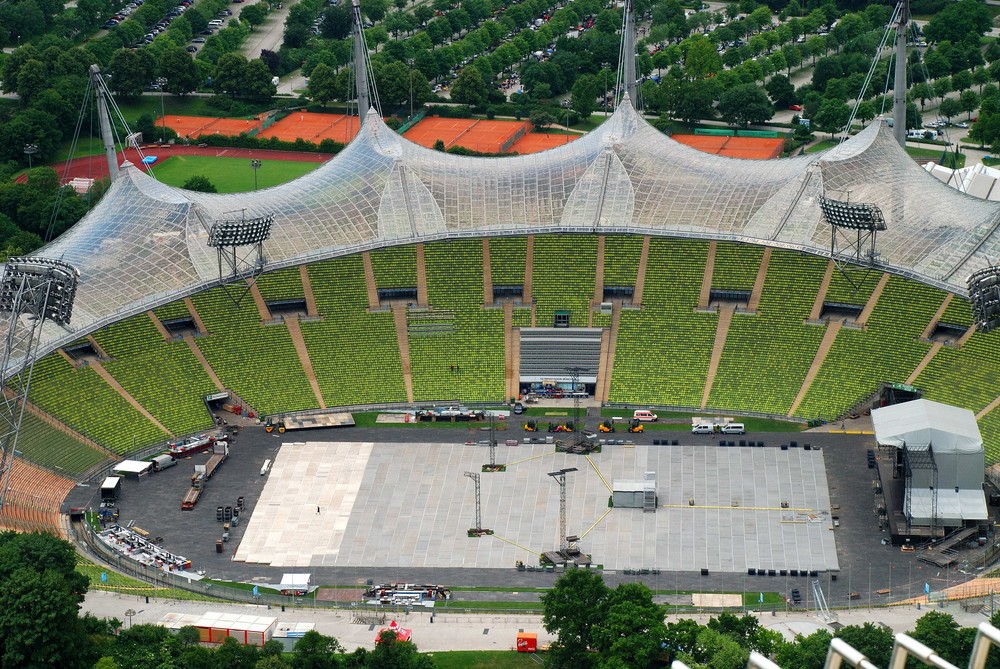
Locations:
{"points": [[229, 175], [822, 145], [936, 156], [483, 659]]}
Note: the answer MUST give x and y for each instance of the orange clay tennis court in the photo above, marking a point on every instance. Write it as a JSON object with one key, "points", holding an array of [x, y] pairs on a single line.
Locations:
{"points": [[750, 148], [196, 126], [536, 142], [313, 127], [484, 136]]}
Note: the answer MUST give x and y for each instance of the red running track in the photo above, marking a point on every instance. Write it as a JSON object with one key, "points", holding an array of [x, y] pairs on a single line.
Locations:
{"points": [[96, 167]]}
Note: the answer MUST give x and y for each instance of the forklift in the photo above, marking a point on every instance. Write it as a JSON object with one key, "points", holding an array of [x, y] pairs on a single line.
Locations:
{"points": [[607, 426], [531, 426], [635, 426]]}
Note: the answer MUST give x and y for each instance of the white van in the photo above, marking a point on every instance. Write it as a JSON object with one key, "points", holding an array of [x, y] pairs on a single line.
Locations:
{"points": [[217, 23], [734, 428], [702, 428], [645, 416], [161, 462]]}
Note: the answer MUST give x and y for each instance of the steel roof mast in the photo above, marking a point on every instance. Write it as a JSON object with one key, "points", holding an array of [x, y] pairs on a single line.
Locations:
{"points": [[899, 83]]}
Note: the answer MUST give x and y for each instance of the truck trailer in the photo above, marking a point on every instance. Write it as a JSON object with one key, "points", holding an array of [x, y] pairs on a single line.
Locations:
{"points": [[190, 499], [220, 451]]}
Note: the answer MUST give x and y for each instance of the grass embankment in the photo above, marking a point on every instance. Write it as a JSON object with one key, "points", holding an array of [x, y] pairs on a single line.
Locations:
{"points": [[485, 659]]}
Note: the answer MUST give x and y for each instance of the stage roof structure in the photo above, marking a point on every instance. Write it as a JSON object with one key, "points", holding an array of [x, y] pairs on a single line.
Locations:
{"points": [[146, 244], [921, 423]]}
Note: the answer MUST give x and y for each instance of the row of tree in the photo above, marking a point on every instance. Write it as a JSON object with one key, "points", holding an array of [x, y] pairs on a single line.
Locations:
{"points": [[622, 628]]}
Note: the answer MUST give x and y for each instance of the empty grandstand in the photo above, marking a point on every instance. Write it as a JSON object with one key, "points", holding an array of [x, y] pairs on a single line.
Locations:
{"points": [[717, 273]]}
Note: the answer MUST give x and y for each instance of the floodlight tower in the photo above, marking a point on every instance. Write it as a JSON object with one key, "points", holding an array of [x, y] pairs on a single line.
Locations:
{"points": [[984, 292], [239, 245], [32, 291], [478, 530], [560, 477], [856, 226]]}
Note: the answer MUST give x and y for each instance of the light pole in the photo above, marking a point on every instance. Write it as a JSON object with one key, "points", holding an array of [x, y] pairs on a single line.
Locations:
{"points": [[128, 614], [409, 61], [163, 118], [255, 165], [30, 150], [605, 66]]}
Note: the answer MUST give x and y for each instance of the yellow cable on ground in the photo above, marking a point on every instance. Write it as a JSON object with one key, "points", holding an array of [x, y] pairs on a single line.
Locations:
{"points": [[735, 508], [514, 543], [533, 457], [599, 474], [596, 523]]}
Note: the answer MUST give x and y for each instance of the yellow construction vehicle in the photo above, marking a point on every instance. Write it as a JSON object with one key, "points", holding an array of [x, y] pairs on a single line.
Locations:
{"points": [[531, 426], [635, 426], [607, 426]]}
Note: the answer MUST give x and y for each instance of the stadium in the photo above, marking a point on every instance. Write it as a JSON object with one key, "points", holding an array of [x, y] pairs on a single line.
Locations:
{"points": [[652, 273]]}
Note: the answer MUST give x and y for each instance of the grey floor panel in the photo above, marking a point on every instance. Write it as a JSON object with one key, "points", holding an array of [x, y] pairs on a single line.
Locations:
{"points": [[400, 506]]}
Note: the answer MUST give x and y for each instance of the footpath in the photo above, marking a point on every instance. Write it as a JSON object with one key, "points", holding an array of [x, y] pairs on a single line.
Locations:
{"points": [[443, 632]]}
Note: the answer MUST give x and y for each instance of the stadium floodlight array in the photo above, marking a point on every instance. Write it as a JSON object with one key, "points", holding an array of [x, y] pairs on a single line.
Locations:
{"points": [[852, 215], [40, 287], [984, 292], [240, 233]]}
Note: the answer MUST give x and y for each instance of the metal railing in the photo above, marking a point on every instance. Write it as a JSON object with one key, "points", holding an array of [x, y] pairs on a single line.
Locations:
{"points": [[904, 647]]}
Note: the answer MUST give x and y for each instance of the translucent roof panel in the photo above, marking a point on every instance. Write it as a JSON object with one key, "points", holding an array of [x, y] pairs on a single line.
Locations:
{"points": [[145, 243]]}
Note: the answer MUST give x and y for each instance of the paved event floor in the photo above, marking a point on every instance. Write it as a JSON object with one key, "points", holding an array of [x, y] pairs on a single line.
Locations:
{"points": [[344, 504]]}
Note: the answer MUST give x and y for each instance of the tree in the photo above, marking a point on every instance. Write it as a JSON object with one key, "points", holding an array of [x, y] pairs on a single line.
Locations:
{"points": [[701, 58], [874, 641], [921, 92], [958, 20], [831, 116], [254, 14], [32, 79], [374, 9], [230, 74], [323, 84], [940, 631], [200, 183], [41, 591], [968, 101], [316, 651], [807, 652], [950, 108], [961, 80], [866, 111], [584, 97], [257, 81], [178, 68], [574, 607], [391, 653], [469, 88], [745, 104], [632, 631], [541, 117]]}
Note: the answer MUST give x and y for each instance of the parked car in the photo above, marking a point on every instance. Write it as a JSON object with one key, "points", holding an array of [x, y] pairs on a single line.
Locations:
{"points": [[795, 107], [192, 49], [796, 596]]}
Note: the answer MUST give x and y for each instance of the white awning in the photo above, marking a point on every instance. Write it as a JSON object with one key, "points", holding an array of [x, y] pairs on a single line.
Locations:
{"points": [[132, 467]]}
